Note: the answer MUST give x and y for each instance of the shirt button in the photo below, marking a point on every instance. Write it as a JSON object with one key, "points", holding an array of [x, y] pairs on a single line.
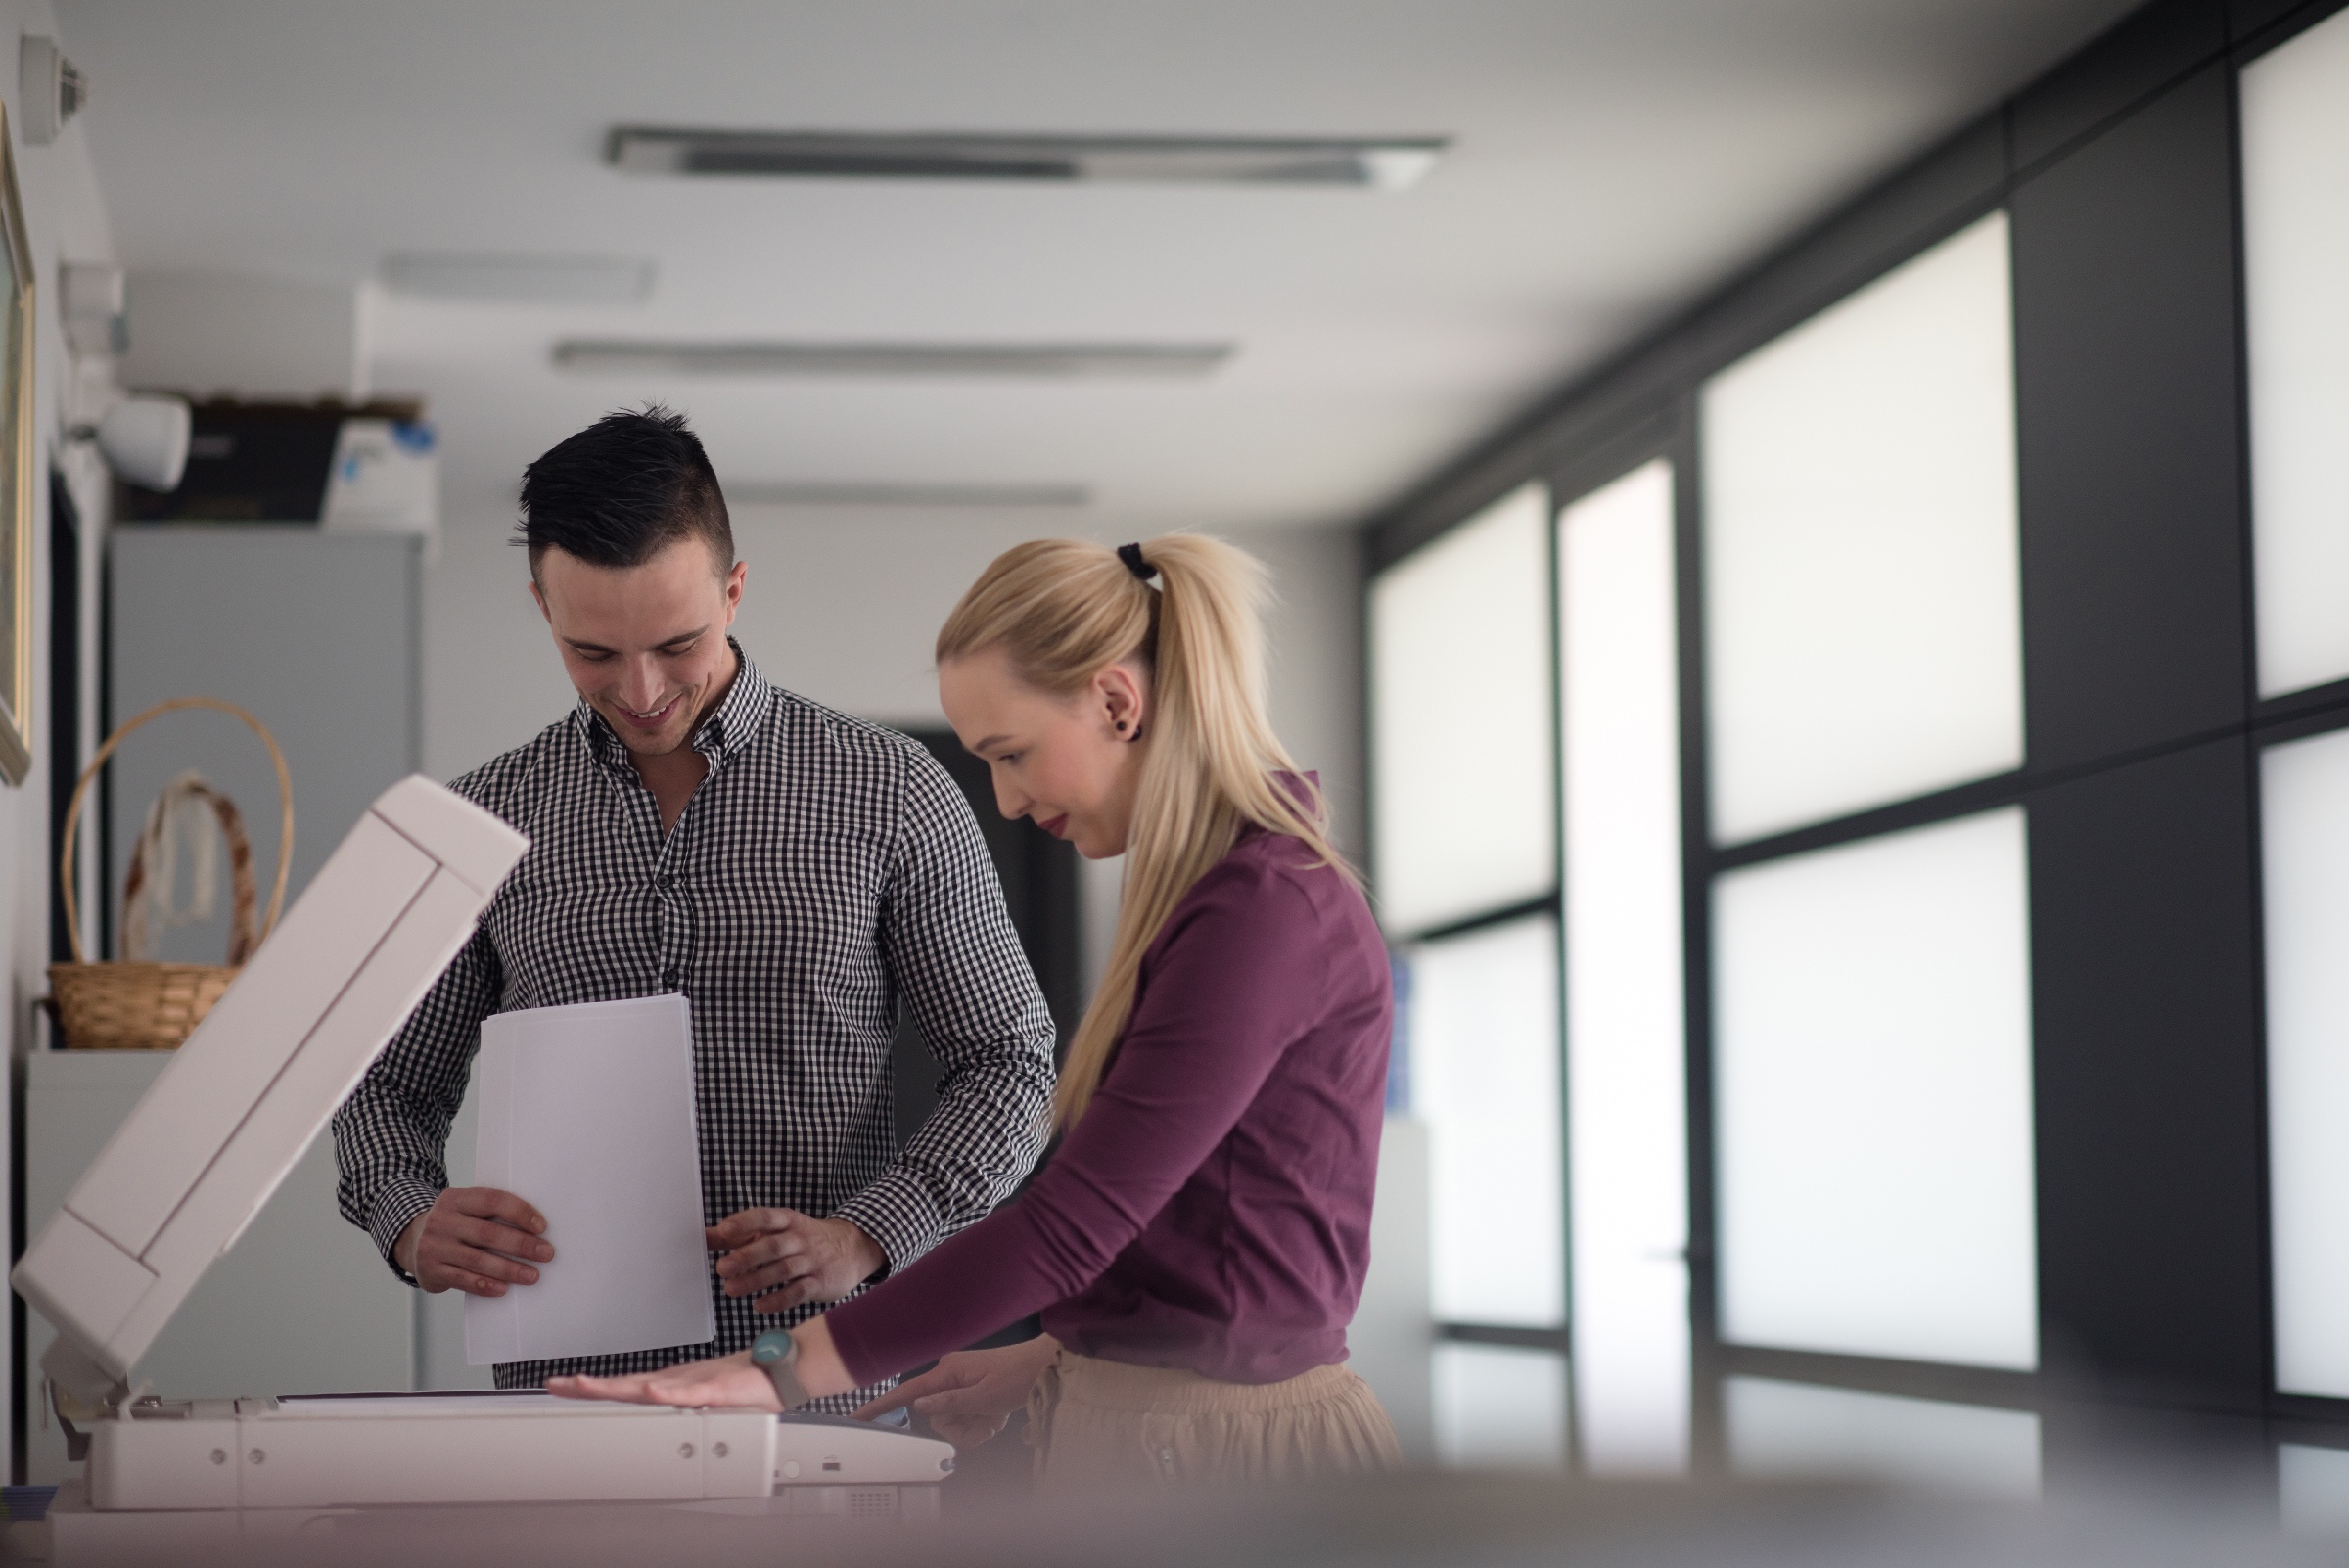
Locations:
{"points": [[671, 977]]}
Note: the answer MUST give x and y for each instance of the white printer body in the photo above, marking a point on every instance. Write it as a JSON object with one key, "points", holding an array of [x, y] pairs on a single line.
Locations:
{"points": [[217, 1133]]}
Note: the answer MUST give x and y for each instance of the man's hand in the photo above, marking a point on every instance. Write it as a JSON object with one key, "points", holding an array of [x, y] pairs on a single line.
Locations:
{"points": [[473, 1240], [969, 1396], [784, 1258]]}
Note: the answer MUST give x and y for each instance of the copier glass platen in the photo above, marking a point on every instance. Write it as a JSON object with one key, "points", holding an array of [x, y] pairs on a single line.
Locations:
{"points": [[208, 1143]]}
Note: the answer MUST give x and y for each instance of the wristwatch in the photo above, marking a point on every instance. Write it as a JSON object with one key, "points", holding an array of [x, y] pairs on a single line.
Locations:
{"points": [[777, 1354]]}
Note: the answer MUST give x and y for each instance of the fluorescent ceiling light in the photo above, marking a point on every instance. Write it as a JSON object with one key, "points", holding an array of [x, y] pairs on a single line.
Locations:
{"points": [[796, 493], [1388, 162], [1043, 361], [519, 279]]}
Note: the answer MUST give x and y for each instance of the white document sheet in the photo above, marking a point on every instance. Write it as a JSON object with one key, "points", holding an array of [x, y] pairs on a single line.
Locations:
{"points": [[587, 1113]]}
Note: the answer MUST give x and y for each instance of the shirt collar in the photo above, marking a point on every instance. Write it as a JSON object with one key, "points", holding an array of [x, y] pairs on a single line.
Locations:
{"points": [[721, 736]]}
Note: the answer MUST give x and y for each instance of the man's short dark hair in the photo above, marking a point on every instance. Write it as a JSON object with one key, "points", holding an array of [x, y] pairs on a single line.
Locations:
{"points": [[624, 489]]}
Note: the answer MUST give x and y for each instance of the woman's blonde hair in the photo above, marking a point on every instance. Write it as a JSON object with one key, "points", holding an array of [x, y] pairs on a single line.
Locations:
{"points": [[1063, 611]]}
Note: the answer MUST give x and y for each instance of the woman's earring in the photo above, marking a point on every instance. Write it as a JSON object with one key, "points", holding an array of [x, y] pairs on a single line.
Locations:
{"points": [[1121, 727]]}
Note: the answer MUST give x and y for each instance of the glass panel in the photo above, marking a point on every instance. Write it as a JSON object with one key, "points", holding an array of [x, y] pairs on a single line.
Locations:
{"points": [[1863, 614], [1794, 1429], [1393, 1329], [2295, 130], [1872, 1084], [1485, 1080], [1464, 818], [1626, 1045], [1499, 1407], [2305, 836], [2312, 1489]]}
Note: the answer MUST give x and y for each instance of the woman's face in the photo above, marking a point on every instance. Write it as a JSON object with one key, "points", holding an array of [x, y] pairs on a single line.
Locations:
{"points": [[1070, 764]]}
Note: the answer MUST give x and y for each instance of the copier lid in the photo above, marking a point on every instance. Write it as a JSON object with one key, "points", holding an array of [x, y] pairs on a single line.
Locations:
{"points": [[247, 1093]]}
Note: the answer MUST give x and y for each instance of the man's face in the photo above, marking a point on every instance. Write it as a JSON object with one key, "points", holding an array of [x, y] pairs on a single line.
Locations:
{"points": [[645, 645]]}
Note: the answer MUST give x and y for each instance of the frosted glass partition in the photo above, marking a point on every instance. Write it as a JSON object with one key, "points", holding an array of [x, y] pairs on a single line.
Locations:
{"points": [[1873, 1097], [2312, 1490], [2305, 844], [1462, 816], [1862, 602], [1626, 1092], [1484, 1022], [1796, 1429], [2295, 140], [1499, 1407]]}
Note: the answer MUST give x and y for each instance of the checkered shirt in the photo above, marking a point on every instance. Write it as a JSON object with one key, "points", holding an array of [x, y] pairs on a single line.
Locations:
{"points": [[825, 870]]}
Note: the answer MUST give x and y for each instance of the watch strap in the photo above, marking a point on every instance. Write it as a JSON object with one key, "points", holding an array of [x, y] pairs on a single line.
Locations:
{"points": [[777, 1354], [785, 1375]]}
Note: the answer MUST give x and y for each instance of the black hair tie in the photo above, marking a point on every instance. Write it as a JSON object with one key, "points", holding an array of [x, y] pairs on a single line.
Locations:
{"points": [[1132, 555]]}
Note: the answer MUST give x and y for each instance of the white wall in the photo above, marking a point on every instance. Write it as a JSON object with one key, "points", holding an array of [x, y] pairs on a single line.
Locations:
{"points": [[491, 677], [843, 609], [65, 217], [1316, 639]]}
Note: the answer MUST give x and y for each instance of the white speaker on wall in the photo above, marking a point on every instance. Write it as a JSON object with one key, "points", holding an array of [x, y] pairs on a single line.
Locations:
{"points": [[144, 440]]}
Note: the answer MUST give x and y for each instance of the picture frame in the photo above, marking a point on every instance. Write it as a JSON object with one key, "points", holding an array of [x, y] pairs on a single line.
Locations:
{"points": [[17, 356]]}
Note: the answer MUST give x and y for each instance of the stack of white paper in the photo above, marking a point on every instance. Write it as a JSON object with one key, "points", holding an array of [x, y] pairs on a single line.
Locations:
{"points": [[586, 1113]]}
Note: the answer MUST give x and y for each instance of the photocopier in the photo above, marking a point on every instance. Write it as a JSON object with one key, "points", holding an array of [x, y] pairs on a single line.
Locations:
{"points": [[209, 1142]]}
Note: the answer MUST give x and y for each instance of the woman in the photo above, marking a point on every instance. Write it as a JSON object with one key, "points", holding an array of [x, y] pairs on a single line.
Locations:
{"points": [[1197, 1245]]}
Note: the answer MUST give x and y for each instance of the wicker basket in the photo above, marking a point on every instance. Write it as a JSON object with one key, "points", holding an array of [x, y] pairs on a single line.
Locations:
{"points": [[154, 1006]]}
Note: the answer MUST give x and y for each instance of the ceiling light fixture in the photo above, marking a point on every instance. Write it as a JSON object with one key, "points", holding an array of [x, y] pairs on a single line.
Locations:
{"points": [[1037, 361], [1385, 162], [810, 493], [519, 279]]}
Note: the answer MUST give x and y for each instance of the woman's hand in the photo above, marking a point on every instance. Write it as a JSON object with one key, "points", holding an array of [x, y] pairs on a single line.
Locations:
{"points": [[969, 1396], [729, 1381], [733, 1381]]}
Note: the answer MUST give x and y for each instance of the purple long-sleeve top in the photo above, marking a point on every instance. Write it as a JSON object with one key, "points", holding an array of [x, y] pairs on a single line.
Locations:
{"points": [[1210, 1209]]}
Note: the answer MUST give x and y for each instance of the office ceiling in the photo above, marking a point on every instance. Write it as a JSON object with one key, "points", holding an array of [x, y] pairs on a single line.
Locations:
{"points": [[1611, 160]]}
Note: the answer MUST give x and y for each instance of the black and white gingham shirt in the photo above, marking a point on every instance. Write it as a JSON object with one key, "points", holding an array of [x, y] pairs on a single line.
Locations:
{"points": [[824, 870]]}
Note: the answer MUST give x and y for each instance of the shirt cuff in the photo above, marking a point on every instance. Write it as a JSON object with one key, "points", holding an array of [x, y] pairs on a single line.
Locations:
{"points": [[900, 1216], [396, 1207]]}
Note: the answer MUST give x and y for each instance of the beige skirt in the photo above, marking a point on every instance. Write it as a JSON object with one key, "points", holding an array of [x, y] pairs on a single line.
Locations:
{"points": [[1097, 1425]]}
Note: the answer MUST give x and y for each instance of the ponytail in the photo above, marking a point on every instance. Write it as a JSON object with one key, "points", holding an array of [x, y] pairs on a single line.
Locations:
{"points": [[1063, 611]]}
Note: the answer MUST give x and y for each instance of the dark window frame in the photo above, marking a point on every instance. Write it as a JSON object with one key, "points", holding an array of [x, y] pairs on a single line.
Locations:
{"points": [[2173, 62]]}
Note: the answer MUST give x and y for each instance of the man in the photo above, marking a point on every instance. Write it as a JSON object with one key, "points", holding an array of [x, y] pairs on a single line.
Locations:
{"points": [[792, 871]]}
